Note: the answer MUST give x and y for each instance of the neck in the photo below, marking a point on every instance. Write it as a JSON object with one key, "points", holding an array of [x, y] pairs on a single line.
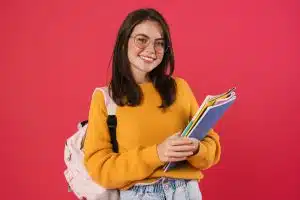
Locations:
{"points": [[139, 76], [140, 80]]}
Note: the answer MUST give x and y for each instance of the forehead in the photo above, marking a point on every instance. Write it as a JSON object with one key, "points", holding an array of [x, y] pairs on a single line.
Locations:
{"points": [[149, 28]]}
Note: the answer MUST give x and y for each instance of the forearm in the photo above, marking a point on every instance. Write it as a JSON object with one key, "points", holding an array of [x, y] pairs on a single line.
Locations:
{"points": [[116, 170]]}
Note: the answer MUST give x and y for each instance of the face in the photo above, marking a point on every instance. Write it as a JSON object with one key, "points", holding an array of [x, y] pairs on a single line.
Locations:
{"points": [[145, 49]]}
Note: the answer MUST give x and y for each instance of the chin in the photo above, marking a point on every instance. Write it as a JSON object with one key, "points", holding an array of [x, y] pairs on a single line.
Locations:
{"points": [[145, 67], [148, 69]]}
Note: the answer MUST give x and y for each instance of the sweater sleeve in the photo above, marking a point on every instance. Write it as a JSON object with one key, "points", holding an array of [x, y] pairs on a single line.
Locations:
{"points": [[209, 152], [113, 170], [209, 148]]}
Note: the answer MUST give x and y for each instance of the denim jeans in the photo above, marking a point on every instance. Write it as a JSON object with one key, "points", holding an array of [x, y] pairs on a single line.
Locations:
{"points": [[164, 189]]}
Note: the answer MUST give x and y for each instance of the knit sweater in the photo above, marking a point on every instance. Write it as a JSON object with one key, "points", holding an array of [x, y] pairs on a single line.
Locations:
{"points": [[140, 129]]}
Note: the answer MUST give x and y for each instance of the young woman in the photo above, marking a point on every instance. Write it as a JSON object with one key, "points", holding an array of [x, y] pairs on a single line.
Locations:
{"points": [[153, 107]]}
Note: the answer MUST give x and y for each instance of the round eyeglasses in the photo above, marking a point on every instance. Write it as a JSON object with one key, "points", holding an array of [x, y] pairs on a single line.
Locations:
{"points": [[143, 41]]}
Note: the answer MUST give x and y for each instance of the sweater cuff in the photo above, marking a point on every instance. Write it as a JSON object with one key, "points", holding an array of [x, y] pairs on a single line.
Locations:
{"points": [[198, 156], [150, 157]]}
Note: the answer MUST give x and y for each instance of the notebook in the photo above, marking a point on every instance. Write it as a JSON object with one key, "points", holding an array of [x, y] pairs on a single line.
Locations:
{"points": [[209, 113]]}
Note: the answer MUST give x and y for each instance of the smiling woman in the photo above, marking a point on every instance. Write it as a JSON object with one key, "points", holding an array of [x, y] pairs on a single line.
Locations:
{"points": [[153, 107], [145, 49], [143, 53]]}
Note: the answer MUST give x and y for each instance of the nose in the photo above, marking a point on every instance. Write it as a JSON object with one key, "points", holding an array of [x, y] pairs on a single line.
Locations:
{"points": [[150, 48]]}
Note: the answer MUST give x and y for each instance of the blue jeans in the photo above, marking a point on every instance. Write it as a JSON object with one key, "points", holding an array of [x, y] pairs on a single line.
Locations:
{"points": [[164, 189]]}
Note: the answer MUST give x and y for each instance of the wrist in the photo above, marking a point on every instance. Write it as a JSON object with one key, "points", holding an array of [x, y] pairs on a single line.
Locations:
{"points": [[158, 153]]}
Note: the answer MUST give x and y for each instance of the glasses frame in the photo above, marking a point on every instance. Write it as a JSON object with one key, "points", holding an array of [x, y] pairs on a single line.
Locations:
{"points": [[150, 41]]}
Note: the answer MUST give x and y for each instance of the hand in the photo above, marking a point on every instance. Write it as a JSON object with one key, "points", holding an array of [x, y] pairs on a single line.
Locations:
{"points": [[196, 142], [176, 148]]}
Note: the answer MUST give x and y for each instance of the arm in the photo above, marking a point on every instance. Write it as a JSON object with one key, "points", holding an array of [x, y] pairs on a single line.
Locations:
{"points": [[113, 170], [209, 149]]}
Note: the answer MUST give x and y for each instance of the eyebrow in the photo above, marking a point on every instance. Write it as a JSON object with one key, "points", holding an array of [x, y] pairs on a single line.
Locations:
{"points": [[161, 38]]}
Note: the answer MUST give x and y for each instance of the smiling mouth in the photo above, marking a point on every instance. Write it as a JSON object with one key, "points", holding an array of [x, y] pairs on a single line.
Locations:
{"points": [[147, 59]]}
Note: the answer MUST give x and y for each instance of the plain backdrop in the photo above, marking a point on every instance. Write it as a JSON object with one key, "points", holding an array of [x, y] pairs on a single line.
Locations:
{"points": [[54, 53]]}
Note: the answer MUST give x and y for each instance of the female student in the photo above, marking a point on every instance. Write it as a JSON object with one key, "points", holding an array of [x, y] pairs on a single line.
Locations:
{"points": [[153, 107]]}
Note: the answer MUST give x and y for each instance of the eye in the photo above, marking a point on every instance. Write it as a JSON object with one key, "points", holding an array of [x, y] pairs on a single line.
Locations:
{"points": [[160, 43], [141, 39]]}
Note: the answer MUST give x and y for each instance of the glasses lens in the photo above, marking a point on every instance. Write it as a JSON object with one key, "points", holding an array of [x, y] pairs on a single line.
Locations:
{"points": [[141, 41], [160, 45]]}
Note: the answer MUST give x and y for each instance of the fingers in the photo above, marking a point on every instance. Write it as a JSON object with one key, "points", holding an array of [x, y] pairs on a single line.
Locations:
{"points": [[179, 149], [178, 133], [176, 148], [194, 140], [182, 148], [175, 154], [179, 141], [175, 136], [173, 159]]}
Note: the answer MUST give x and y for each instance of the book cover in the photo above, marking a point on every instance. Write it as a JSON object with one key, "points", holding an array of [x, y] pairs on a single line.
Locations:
{"points": [[208, 114]]}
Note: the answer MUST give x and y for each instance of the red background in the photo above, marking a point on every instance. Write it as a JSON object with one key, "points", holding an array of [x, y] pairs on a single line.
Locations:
{"points": [[53, 54]]}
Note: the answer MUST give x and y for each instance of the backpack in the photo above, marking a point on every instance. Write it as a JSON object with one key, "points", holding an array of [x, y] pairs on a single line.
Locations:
{"points": [[78, 179]]}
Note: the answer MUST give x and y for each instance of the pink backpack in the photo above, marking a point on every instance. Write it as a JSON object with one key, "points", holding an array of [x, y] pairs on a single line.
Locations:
{"points": [[78, 179]]}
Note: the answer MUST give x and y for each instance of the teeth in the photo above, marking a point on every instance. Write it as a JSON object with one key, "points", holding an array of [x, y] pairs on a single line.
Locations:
{"points": [[146, 58]]}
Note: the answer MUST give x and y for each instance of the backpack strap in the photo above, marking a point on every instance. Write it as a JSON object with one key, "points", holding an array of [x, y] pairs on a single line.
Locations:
{"points": [[111, 121]]}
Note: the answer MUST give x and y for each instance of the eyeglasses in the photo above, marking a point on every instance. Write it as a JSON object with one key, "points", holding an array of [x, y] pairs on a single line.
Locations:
{"points": [[143, 41]]}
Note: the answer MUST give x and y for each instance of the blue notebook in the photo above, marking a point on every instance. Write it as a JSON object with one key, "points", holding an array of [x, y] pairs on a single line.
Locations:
{"points": [[206, 118], [209, 119]]}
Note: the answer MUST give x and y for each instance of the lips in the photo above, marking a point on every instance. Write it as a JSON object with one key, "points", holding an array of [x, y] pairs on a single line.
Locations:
{"points": [[147, 58]]}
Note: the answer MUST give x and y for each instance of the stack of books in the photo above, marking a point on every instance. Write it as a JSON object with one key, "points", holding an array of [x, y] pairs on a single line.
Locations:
{"points": [[211, 110]]}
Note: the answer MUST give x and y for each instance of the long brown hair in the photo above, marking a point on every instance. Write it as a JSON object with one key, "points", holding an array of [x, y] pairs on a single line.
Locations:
{"points": [[124, 89]]}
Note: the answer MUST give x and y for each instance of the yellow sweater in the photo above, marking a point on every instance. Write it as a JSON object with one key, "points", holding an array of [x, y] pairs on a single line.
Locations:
{"points": [[140, 129]]}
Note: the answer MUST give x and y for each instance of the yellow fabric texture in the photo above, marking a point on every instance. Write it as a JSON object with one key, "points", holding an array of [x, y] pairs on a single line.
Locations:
{"points": [[139, 130]]}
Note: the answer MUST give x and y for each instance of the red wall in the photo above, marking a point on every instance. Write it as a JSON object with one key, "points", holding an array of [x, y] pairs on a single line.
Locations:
{"points": [[53, 54]]}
